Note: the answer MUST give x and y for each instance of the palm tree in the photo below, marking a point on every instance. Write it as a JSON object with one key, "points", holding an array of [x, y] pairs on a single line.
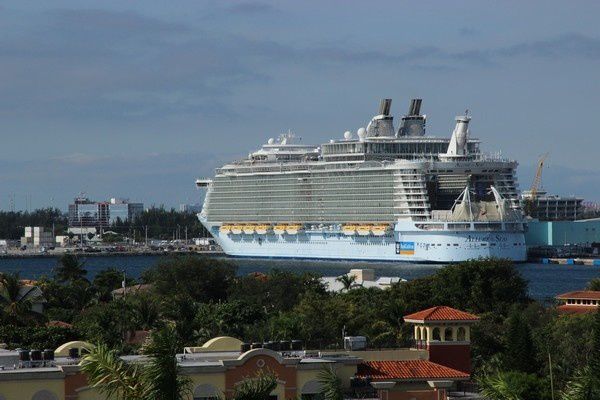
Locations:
{"points": [[347, 281], [70, 269], [581, 387], [331, 384], [16, 299], [497, 387], [158, 379], [256, 388]]}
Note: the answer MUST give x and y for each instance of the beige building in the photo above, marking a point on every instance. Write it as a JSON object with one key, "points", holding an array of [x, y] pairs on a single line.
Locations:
{"points": [[217, 367]]}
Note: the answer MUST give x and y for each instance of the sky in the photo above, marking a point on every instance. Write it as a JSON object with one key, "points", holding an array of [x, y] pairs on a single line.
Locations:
{"points": [[138, 99]]}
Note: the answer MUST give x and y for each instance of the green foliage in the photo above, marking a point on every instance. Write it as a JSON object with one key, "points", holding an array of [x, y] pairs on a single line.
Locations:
{"points": [[276, 291], [520, 352], [331, 384], [108, 280], [594, 284], [514, 385], [106, 323], [258, 387], [158, 379], [201, 279], [113, 377], [479, 286], [70, 269], [347, 281], [36, 337], [161, 373], [163, 223], [16, 301], [12, 223]]}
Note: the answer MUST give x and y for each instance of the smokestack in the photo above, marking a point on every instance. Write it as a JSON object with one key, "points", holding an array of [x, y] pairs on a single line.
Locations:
{"points": [[384, 106], [415, 107]]}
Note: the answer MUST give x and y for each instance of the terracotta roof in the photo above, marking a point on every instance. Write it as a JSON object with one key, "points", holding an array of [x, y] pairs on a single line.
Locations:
{"points": [[441, 313], [576, 309], [581, 294], [407, 370], [60, 324]]}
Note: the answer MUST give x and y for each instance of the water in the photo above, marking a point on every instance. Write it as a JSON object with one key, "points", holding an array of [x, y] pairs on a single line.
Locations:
{"points": [[545, 280]]}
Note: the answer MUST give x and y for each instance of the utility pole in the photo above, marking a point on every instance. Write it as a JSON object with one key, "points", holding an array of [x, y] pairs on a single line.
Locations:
{"points": [[186, 237], [146, 229]]}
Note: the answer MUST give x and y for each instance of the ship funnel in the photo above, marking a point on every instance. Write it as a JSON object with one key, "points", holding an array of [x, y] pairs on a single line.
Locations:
{"points": [[384, 106], [415, 107], [383, 123], [413, 123], [460, 136]]}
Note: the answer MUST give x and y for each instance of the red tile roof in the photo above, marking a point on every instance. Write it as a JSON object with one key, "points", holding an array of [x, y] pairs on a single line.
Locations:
{"points": [[441, 313], [576, 309], [580, 294], [407, 370]]}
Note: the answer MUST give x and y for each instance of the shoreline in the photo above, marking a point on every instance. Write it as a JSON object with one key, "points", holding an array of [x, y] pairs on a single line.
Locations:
{"points": [[111, 254]]}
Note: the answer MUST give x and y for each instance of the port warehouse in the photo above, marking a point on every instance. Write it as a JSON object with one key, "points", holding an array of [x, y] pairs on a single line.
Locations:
{"points": [[560, 233]]}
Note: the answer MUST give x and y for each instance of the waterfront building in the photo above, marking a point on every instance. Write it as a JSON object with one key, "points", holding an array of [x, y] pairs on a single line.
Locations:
{"points": [[422, 372], [560, 233], [579, 302], [37, 236], [84, 213], [545, 207], [362, 278], [190, 208]]}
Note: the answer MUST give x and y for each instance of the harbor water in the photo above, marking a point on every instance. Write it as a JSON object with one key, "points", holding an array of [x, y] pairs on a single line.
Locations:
{"points": [[545, 280]]}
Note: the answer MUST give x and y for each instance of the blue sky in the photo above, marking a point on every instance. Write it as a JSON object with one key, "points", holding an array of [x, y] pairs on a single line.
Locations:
{"points": [[137, 99]]}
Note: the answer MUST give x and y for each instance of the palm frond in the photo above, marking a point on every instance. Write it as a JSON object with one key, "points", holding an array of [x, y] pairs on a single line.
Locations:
{"points": [[331, 384], [112, 376], [258, 387]]}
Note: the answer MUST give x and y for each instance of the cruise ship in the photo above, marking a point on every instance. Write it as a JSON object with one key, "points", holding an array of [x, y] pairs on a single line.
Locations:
{"points": [[378, 194]]}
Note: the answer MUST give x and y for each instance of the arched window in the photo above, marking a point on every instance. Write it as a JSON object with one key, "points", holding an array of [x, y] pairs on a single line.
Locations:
{"points": [[424, 334], [435, 335], [44, 395], [448, 334], [461, 334], [418, 334], [206, 391], [311, 391]]}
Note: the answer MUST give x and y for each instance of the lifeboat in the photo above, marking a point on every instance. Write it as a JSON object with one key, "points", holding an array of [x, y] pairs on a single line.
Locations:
{"points": [[236, 229], [349, 230], [248, 229], [293, 229], [225, 228], [262, 229], [379, 230], [363, 230], [279, 229]]}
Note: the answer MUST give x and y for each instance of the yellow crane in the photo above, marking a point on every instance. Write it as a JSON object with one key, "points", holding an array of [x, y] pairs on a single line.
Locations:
{"points": [[537, 180]]}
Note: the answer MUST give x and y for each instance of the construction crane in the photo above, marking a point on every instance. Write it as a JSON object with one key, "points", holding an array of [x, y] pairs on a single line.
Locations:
{"points": [[537, 180]]}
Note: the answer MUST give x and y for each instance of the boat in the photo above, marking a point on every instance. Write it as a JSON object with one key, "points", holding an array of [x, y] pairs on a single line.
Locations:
{"points": [[379, 230], [279, 229], [349, 230], [363, 230], [225, 229], [236, 229], [248, 229], [423, 198], [262, 229], [293, 229]]}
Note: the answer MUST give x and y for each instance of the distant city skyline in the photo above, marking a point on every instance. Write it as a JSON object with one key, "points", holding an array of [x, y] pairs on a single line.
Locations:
{"points": [[138, 100]]}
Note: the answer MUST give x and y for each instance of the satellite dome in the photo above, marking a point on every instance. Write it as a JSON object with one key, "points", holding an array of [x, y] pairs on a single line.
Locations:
{"points": [[362, 133], [347, 135], [271, 141]]}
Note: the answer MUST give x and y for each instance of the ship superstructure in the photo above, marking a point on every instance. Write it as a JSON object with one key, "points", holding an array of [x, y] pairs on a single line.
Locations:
{"points": [[379, 194]]}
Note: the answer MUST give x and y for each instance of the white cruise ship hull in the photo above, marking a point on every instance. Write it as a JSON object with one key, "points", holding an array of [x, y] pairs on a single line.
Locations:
{"points": [[405, 243]]}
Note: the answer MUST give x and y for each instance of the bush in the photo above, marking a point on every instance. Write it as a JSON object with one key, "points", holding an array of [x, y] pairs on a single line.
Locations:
{"points": [[36, 337]]}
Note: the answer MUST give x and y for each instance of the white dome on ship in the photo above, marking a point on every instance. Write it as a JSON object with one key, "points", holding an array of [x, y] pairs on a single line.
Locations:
{"points": [[347, 135], [271, 141]]}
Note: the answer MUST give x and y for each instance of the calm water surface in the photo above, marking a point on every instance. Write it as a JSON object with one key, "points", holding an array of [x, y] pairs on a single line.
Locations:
{"points": [[545, 281]]}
